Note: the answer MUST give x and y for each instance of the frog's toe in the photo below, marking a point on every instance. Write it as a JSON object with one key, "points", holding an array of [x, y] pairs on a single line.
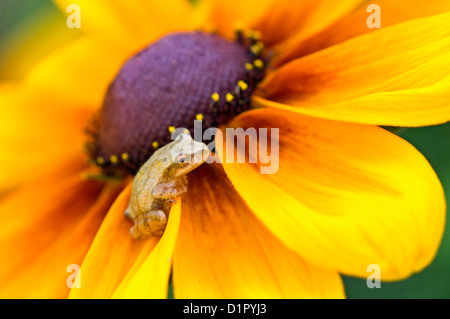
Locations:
{"points": [[135, 233], [128, 214]]}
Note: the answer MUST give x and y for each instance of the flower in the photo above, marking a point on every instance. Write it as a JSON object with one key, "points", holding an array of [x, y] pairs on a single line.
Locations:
{"points": [[347, 194]]}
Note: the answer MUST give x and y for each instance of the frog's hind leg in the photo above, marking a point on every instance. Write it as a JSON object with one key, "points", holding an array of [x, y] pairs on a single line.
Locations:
{"points": [[150, 224]]}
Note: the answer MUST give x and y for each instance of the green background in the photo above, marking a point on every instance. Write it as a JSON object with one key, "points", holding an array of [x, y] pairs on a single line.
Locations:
{"points": [[434, 281], [17, 26]]}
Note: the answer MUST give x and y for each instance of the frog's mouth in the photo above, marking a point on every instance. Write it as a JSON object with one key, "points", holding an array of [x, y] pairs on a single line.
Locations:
{"points": [[180, 78]]}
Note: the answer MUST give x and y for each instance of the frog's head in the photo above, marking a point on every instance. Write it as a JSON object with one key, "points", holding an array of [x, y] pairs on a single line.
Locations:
{"points": [[187, 154]]}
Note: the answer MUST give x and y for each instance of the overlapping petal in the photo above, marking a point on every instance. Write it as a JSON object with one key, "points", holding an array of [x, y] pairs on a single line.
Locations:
{"points": [[46, 228], [397, 76], [288, 21], [149, 277], [111, 255], [225, 16], [355, 24], [37, 133], [279, 21], [78, 73], [130, 26], [345, 195], [118, 266], [223, 251]]}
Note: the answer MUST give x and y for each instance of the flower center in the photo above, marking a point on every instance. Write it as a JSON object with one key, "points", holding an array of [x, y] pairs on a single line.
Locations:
{"points": [[178, 79]]}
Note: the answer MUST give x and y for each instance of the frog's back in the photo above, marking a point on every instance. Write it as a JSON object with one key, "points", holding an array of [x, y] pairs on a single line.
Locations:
{"points": [[146, 179]]}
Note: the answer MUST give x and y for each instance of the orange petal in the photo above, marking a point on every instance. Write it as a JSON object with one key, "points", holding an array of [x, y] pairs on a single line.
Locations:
{"points": [[223, 251], [397, 76], [44, 230], [149, 277], [345, 195], [354, 24], [225, 16], [112, 253], [36, 134], [278, 20], [287, 21]]}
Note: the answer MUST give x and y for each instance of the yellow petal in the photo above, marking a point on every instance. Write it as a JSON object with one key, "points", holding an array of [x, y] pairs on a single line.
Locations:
{"points": [[111, 255], [345, 195], [286, 21], [397, 76], [354, 24], [78, 73], [279, 20], [226, 16], [44, 230], [223, 251], [150, 277], [129, 26], [36, 134]]}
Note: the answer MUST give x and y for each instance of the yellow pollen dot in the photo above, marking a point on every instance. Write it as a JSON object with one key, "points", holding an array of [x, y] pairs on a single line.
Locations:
{"points": [[114, 159], [199, 117], [248, 66], [100, 160], [242, 85], [124, 156], [257, 48], [215, 97], [155, 144], [258, 63], [171, 129], [229, 97]]}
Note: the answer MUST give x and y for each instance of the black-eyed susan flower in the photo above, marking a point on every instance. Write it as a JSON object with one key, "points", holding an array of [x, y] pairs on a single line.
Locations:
{"points": [[347, 194]]}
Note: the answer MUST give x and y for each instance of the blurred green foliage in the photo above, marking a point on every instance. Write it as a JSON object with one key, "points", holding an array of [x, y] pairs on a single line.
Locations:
{"points": [[434, 281], [13, 12], [29, 30]]}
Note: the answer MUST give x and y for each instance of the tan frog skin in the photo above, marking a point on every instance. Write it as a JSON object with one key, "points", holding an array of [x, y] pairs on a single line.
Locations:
{"points": [[158, 181]]}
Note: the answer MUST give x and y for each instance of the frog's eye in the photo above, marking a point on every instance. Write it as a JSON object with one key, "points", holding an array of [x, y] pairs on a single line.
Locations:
{"points": [[181, 160]]}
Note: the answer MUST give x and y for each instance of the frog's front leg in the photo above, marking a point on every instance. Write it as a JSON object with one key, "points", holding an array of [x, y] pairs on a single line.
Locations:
{"points": [[153, 222], [149, 224], [169, 190]]}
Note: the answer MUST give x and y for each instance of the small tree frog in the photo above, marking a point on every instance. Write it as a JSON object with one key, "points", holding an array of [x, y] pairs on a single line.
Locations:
{"points": [[159, 180]]}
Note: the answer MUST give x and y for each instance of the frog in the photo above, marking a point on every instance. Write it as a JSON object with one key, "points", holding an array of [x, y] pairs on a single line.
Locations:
{"points": [[161, 179]]}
